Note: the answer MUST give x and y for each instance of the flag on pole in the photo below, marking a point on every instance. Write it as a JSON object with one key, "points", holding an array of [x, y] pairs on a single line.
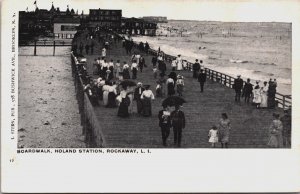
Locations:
{"points": [[34, 3]]}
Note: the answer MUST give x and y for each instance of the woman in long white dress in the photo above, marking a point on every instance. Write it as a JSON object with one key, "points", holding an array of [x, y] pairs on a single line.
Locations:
{"points": [[256, 96], [264, 96], [179, 63], [105, 90]]}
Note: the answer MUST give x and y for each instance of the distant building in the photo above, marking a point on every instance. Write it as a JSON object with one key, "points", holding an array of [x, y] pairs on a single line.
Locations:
{"points": [[40, 22], [106, 18], [155, 19], [135, 26], [65, 27]]}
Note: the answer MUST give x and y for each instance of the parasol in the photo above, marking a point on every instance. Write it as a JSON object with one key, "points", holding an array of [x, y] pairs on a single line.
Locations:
{"points": [[173, 100]]}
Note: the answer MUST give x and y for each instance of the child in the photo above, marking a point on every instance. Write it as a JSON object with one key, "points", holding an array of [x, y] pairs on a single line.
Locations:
{"points": [[213, 136]]}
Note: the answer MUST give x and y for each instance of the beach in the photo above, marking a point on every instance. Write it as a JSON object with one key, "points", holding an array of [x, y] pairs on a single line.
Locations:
{"points": [[48, 110], [255, 50]]}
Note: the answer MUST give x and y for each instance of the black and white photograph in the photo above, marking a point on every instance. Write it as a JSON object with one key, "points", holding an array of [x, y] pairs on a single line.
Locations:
{"points": [[176, 96], [100, 78]]}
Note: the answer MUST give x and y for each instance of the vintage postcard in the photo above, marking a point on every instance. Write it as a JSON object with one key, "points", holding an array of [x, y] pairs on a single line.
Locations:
{"points": [[150, 96]]}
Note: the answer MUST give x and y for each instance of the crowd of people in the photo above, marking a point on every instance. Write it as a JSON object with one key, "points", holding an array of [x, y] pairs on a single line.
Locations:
{"points": [[108, 88], [262, 96]]}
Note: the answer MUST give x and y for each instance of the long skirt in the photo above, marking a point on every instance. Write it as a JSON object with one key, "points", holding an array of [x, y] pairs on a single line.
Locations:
{"points": [[180, 89], [130, 107], [105, 98], [264, 101], [100, 93], [126, 74], [123, 108], [103, 72], [271, 102], [275, 141], [224, 135], [147, 111], [111, 100], [171, 90], [134, 72], [139, 106]]}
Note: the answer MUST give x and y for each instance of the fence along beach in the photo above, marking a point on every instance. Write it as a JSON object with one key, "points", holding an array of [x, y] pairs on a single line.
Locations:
{"points": [[201, 111]]}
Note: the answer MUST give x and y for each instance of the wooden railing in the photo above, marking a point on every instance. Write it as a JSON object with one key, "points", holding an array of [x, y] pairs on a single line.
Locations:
{"points": [[91, 126], [46, 43]]}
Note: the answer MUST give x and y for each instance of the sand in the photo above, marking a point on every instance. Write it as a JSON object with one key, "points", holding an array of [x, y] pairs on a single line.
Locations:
{"points": [[48, 110]]}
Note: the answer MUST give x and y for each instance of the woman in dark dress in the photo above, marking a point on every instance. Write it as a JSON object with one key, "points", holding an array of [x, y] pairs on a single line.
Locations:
{"points": [[112, 93], [126, 74], [170, 86], [123, 108]]}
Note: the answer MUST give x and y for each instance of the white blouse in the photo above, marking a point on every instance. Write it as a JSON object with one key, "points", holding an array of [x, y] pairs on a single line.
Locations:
{"points": [[125, 66], [148, 94], [133, 65], [170, 80], [111, 64]]}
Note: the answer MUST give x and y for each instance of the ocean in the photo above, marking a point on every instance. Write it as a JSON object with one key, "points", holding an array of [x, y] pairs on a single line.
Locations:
{"points": [[256, 50]]}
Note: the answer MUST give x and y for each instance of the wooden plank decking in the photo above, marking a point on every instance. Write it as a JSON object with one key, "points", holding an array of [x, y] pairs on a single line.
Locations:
{"points": [[249, 125]]}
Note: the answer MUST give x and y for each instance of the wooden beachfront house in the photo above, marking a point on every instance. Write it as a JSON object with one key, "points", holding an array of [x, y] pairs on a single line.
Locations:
{"points": [[105, 18], [65, 27], [135, 26]]}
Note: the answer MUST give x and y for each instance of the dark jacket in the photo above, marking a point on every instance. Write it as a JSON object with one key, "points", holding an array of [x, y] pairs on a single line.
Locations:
{"points": [[247, 88], [202, 77], [137, 96], [162, 66], [164, 120], [154, 60], [178, 119], [238, 84], [196, 66]]}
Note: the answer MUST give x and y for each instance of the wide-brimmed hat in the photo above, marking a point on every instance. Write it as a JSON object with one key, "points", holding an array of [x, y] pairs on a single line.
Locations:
{"points": [[139, 83]]}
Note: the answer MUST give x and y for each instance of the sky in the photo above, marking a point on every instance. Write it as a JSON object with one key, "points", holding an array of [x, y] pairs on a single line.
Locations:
{"points": [[212, 10]]}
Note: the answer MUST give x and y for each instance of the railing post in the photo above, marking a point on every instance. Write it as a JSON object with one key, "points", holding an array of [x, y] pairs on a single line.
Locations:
{"points": [[53, 48], [283, 102], [34, 51], [225, 80]]}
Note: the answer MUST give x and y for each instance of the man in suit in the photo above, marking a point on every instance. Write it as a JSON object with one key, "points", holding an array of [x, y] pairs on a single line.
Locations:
{"points": [[137, 96], [178, 123], [202, 79], [162, 67], [238, 85], [164, 123], [247, 91], [196, 68]]}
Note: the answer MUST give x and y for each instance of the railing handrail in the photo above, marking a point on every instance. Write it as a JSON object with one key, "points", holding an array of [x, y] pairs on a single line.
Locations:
{"points": [[97, 125]]}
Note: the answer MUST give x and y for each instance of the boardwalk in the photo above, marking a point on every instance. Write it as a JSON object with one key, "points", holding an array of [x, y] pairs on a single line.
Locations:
{"points": [[249, 125]]}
